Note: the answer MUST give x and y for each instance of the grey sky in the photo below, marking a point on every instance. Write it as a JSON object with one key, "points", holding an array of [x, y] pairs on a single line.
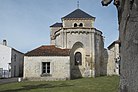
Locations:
{"points": [[25, 23]]}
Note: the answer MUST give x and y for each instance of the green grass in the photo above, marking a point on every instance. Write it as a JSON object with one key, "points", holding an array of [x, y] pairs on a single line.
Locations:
{"points": [[99, 84]]}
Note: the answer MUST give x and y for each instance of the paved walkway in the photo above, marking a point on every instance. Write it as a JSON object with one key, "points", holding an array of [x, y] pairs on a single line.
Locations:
{"points": [[8, 80]]}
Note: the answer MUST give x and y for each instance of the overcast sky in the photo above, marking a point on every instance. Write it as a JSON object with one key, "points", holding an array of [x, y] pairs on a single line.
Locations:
{"points": [[25, 23]]}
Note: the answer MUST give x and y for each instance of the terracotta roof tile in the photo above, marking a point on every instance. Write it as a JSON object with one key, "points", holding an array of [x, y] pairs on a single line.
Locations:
{"points": [[50, 50]]}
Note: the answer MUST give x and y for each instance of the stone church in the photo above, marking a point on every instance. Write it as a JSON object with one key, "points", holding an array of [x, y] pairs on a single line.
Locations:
{"points": [[76, 50]]}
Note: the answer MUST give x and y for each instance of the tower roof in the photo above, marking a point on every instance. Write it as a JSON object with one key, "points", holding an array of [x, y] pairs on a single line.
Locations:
{"points": [[56, 25], [78, 13]]}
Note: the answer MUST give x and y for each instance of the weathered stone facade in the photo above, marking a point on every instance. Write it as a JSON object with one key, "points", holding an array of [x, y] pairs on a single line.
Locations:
{"points": [[84, 39], [59, 68], [17, 62], [76, 35], [113, 64]]}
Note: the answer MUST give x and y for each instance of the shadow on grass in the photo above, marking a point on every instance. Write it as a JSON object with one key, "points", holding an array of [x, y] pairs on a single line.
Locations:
{"points": [[29, 87]]}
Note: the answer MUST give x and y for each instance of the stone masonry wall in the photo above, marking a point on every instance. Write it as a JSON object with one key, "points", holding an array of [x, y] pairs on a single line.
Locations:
{"points": [[17, 64], [70, 23], [113, 59], [59, 68], [99, 59]]}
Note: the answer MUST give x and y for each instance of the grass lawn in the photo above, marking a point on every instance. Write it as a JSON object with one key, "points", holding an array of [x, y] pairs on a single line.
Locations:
{"points": [[99, 84]]}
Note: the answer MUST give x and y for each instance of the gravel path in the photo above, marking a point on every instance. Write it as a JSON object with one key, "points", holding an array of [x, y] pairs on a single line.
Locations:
{"points": [[8, 80]]}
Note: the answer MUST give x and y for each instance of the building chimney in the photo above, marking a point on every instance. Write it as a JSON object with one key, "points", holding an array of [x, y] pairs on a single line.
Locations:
{"points": [[5, 42]]}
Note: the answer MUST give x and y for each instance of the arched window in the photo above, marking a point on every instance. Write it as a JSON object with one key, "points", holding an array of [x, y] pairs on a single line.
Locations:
{"points": [[75, 24], [80, 25], [78, 58]]}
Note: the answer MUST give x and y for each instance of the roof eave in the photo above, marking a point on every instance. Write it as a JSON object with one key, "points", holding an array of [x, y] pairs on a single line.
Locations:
{"points": [[93, 18]]}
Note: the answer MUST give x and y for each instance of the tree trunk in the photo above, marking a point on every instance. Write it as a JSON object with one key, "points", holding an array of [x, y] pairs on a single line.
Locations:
{"points": [[128, 35]]}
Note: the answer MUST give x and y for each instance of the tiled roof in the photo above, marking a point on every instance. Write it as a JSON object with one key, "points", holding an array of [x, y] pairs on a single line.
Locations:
{"points": [[56, 25], [50, 50], [78, 14]]}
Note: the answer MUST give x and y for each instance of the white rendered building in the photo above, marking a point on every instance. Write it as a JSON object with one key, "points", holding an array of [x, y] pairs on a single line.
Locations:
{"points": [[11, 61]]}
